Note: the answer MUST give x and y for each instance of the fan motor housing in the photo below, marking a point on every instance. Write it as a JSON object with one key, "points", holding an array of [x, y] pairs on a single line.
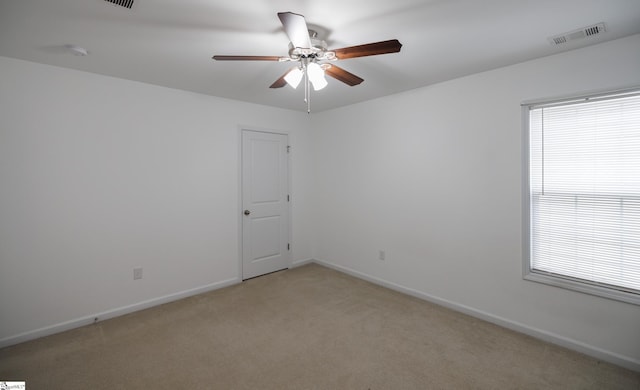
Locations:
{"points": [[318, 49]]}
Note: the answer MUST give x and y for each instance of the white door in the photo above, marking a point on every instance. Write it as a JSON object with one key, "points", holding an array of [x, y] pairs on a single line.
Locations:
{"points": [[265, 203]]}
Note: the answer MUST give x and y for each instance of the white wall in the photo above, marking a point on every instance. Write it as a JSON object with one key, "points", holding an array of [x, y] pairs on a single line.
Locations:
{"points": [[433, 177], [99, 175]]}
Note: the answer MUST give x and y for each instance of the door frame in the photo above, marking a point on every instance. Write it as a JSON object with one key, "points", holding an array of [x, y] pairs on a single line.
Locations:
{"points": [[240, 209]]}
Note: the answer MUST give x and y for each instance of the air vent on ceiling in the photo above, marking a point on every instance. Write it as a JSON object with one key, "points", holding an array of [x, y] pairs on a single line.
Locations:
{"points": [[578, 34], [122, 3]]}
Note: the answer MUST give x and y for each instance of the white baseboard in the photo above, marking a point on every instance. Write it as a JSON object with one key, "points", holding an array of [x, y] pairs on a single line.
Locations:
{"points": [[590, 350], [87, 320], [598, 353], [300, 263]]}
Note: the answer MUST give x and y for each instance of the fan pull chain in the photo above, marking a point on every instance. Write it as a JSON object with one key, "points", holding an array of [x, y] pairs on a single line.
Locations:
{"points": [[307, 92]]}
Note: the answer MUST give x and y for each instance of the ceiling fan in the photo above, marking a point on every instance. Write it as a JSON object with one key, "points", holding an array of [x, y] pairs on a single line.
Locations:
{"points": [[313, 57]]}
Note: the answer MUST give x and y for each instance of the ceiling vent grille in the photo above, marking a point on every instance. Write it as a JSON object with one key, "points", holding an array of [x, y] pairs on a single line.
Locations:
{"points": [[582, 33], [122, 3]]}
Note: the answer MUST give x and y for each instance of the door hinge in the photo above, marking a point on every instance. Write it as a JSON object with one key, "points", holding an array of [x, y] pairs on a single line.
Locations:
{"points": [[288, 148], [288, 246]]}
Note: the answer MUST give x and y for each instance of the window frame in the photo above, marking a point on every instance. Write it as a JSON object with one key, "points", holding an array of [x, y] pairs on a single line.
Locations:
{"points": [[566, 282]]}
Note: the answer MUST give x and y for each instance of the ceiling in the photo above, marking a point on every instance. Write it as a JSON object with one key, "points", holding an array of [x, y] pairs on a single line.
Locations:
{"points": [[171, 42]]}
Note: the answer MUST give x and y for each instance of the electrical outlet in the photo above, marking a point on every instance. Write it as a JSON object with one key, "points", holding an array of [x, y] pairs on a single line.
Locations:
{"points": [[382, 255], [137, 273]]}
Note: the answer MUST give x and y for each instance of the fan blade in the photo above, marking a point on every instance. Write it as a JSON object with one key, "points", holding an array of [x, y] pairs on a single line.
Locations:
{"points": [[246, 58], [279, 83], [369, 49], [344, 76], [296, 29]]}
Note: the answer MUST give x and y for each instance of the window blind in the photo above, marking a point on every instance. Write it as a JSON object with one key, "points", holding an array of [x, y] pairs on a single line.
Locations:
{"points": [[584, 190]]}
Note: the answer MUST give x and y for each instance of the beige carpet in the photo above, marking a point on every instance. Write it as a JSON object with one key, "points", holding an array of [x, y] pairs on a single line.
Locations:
{"points": [[306, 328]]}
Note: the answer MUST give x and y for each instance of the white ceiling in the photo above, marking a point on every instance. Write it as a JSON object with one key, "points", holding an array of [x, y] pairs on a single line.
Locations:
{"points": [[171, 42]]}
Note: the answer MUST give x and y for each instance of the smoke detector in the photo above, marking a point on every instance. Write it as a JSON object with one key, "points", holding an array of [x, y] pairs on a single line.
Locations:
{"points": [[77, 50], [585, 32]]}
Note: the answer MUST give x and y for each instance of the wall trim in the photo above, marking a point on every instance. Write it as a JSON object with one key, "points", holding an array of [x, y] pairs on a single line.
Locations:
{"points": [[590, 350], [575, 345], [117, 312], [300, 263]]}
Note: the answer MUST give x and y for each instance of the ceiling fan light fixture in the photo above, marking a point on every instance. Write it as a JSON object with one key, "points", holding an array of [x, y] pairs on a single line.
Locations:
{"points": [[316, 76], [311, 54], [293, 77]]}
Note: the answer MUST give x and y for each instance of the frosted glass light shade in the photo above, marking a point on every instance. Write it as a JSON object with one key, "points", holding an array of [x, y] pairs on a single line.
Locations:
{"points": [[293, 77], [316, 76]]}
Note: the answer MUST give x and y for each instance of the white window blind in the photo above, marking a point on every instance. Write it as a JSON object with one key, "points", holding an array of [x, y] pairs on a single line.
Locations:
{"points": [[584, 191]]}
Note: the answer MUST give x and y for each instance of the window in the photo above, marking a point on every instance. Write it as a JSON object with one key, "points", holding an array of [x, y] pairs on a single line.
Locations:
{"points": [[582, 194]]}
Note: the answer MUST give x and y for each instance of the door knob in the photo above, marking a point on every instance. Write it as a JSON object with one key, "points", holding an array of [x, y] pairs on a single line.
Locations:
{"points": [[247, 212]]}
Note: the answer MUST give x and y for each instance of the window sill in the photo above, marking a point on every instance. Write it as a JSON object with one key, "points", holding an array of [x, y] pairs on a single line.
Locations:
{"points": [[576, 285]]}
